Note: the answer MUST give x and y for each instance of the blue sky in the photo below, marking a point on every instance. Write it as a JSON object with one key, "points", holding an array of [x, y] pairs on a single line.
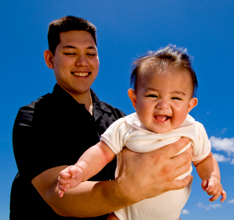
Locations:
{"points": [[125, 30]]}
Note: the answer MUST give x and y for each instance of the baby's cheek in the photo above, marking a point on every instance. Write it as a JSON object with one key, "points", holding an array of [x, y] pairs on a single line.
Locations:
{"points": [[177, 121]]}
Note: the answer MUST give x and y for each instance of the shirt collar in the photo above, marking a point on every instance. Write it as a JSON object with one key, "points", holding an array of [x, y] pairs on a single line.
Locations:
{"points": [[99, 107]]}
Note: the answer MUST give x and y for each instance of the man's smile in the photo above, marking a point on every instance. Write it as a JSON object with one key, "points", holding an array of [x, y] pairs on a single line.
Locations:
{"points": [[80, 73]]}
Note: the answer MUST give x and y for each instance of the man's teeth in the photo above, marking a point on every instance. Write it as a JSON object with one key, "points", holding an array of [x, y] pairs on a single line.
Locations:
{"points": [[81, 74]]}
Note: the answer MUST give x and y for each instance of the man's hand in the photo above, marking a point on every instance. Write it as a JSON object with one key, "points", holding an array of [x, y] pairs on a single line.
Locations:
{"points": [[150, 174]]}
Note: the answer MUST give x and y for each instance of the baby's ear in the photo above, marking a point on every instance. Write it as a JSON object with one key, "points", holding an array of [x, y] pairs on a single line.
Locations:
{"points": [[132, 96], [192, 103]]}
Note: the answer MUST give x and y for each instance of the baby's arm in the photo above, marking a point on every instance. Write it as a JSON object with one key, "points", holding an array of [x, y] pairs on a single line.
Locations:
{"points": [[208, 170], [112, 216], [90, 163]]}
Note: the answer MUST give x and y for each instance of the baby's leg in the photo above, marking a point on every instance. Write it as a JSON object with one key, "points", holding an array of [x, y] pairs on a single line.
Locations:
{"points": [[112, 216]]}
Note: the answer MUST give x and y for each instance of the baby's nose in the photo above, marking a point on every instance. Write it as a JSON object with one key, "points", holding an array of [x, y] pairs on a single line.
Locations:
{"points": [[162, 104]]}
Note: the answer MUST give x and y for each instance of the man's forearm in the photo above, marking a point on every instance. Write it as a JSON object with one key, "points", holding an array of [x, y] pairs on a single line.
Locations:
{"points": [[89, 199]]}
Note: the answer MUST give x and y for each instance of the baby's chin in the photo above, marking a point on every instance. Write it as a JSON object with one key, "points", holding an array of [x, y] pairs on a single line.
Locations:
{"points": [[162, 130]]}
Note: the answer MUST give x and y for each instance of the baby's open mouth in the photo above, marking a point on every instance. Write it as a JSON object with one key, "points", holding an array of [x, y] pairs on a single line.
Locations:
{"points": [[161, 118]]}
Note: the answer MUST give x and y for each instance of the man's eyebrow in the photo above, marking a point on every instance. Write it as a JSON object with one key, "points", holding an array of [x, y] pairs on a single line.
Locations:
{"points": [[91, 47], [69, 46], [73, 47]]}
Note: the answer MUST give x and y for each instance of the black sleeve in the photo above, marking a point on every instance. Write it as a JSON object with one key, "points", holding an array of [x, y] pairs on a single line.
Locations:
{"points": [[22, 138], [47, 135]]}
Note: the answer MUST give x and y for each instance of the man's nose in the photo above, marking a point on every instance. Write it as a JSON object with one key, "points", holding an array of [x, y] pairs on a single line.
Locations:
{"points": [[81, 61]]}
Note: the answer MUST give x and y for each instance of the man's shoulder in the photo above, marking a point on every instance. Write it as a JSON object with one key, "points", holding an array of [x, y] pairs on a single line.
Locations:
{"points": [[105, 107], [26, 113], [113, 109]]}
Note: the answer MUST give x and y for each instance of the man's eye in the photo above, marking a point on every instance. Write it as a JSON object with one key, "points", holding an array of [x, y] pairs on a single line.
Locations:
{"points": [[91, 54], [70, 54]]}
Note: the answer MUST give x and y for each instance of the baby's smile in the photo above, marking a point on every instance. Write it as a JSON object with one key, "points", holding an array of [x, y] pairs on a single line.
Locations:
{"points": [[161, 118]]}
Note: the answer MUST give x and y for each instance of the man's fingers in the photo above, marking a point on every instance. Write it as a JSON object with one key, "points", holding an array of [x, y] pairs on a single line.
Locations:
{"points": [[179, 171], [172, 149], [180, 184], [165, 167], [182, 162]]}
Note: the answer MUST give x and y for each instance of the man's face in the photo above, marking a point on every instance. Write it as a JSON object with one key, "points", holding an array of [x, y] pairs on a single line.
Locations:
{"points": [[76, 62]]}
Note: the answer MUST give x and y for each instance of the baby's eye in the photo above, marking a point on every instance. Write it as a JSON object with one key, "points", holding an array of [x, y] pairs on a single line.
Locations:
{"points": [[176, 98], [152, 96]]}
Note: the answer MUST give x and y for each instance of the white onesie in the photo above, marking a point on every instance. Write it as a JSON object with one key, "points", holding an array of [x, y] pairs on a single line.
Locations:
{"points": [[130, 132]]}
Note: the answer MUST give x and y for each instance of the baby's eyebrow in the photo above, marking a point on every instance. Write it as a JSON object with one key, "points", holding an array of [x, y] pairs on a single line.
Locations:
{"points": [[179, 92], [151, 89]]}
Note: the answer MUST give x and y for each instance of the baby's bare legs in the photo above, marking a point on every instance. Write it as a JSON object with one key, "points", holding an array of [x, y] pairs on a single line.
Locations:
{"points": [[112, 216]]}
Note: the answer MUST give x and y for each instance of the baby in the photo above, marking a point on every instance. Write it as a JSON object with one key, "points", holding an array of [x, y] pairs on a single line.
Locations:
{"points": [[164, 84]]}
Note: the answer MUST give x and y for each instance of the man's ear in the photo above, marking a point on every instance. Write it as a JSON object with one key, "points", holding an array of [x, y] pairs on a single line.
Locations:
{"points": [[132, 96], [48, 56], [192, 103]]}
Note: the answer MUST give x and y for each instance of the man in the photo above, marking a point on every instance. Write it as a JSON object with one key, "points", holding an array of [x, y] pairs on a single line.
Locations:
{"points": [[72, 117]]}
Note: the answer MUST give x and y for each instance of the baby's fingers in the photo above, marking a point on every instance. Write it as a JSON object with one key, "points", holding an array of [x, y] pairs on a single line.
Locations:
{"points": [[63, 189], [63, 181], [224, 196], [212, 189], [64, 175], [73, 170], [214, 197], [61, 193], [204, 184]]}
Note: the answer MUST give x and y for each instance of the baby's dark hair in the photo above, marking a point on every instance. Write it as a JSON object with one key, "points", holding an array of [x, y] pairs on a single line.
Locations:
{"points": [[170, 56]]}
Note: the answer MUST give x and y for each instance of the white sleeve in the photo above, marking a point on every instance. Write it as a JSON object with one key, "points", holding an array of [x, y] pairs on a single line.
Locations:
{"points": [[114, 136], [203, 147]]}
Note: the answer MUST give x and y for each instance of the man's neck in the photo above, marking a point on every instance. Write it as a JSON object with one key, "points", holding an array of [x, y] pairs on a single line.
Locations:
{"points": [[84, 98]]}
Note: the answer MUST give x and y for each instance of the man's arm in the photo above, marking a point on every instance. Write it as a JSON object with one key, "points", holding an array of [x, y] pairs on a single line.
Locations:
{"points": [[91, 162], [156, 174]]}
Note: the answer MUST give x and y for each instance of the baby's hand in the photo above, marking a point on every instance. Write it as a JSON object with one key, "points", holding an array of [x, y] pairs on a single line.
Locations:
{"points": [[68, 178], [213, 188]]}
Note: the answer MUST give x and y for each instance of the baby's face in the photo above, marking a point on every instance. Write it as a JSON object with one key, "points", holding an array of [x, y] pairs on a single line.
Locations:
{"points": [[162, 100]]}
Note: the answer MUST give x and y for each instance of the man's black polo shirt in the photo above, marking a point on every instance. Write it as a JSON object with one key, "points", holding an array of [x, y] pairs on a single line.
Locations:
{"points": [[53, 131]]}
